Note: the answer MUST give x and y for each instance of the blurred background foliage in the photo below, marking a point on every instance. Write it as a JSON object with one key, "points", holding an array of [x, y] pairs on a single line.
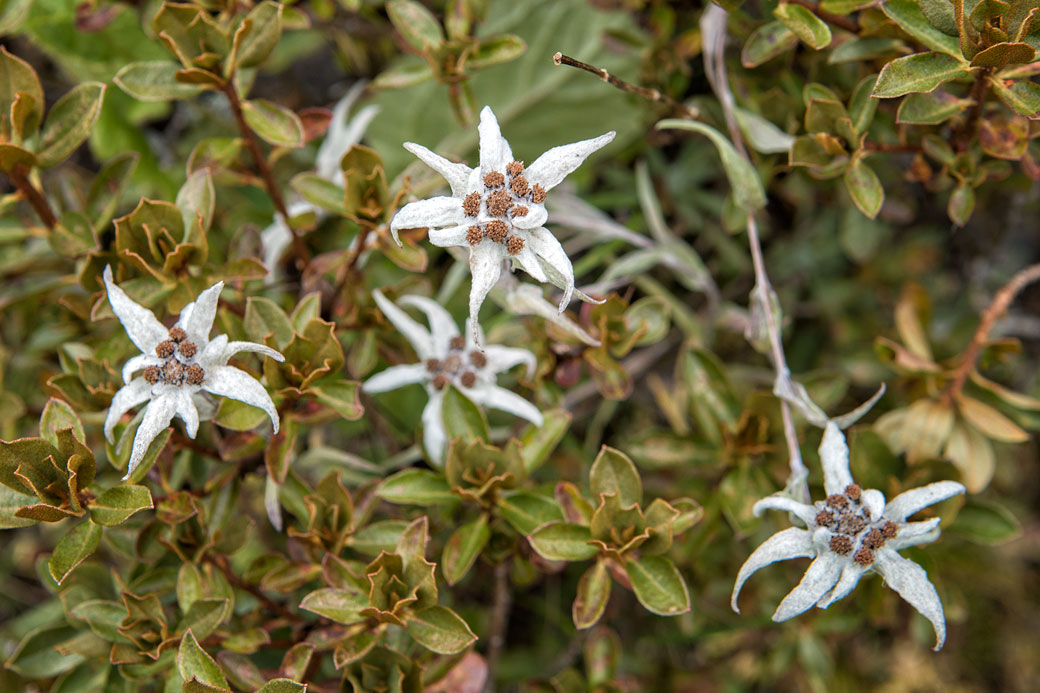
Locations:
{"points": [[871, 292]]}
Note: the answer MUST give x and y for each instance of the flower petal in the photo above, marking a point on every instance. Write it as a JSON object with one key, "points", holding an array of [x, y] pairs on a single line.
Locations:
{"points": [[157, 416], [449, 236], [494, 149], [485, 264], [527, 260], [436, 212], [805, 513], [914, 533], [435, 438], [139, 362], [237, 347], [442, 326], [822, 575], [417, 335], [504, 400], [911, 582], [554, 261], [395, 377], [553, 166], [850, 575], [199, 323], [228, 381], [457, 175], [874, 501], [535, 217], [502, 358], [214, 353], [125, 399], [188, 413], [790, 543], [909, 502], [834, 454], [144, 330]]}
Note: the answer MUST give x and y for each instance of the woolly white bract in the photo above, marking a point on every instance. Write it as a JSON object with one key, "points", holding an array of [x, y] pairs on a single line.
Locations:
{"points": [[445, 357], [850, 533], [497, 210], [176, 367]]}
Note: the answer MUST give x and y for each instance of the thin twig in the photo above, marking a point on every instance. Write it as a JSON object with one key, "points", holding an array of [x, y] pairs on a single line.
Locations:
{"points": [[222, 565], [1001, 302], [20, 178], [892, 148], [644, 92], [829, 17], [964, 135], [262, 167], [184, 441], [503, 601]]}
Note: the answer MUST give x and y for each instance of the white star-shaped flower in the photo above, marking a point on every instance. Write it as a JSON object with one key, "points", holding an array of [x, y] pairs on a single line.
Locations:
{"points": [[497, 210], [850, 533], [448, 358], [177, 366], [341, 136]]}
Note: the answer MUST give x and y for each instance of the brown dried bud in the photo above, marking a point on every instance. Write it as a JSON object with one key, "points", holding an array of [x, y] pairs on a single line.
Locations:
{"points": [[178, 335], [440, 381], [841, 544], [518, 211], [496, 230], [152, 374], [515, 245], [195, 375], [474, 235], [433, 365], [494, 180], [498, 203], [537, 194], [519, 186], [453, 363], [469, 379], [889, 530], [824, 519], [165, 349], [853, 492], [478, 359], [173, 372], [471, 204], [864, 557], [874, 539], [514, 168], [457, 342], [837, 501], [187, 349]]}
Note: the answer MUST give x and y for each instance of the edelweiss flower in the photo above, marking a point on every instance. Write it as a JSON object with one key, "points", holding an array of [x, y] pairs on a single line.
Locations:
{"points": [[851, 532], [341, 136], [498, 211], [448, 358], [178, 366]]}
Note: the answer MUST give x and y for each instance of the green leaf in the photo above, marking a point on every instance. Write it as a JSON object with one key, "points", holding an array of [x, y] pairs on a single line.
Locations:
{"points": [[592, 596], [812, 30], [439, 629], [658, 585], [150, 455], [341, 396], [194, 663], [37, 655], [155, 80], [416, 24], [463, 547], [563, 541], [613, 472], [416, 487], [239, 416], [265, 317], [495, 50], [274, 123], [73, 549], [58, 415], [930, 109], [986, 522], [907, 14], [862, 49], [378, 536], [990, 422], [766, 42], [103, 617], [1001, 54], [747, 187], [462, 418], [402, 76], [320, 192], [339, 605], [117, 504], [256, 36], [921, 72], [539, 441], [527, 511], [69, 122], [282, 686], [205, 615], [18, 76], [197, 199], [11, 502], [864, 187], [1023, 96]]}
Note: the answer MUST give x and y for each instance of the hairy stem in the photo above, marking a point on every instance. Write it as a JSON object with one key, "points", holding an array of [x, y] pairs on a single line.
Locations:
{"points": [[964, 135], [503, 600], [19, 176], [221, 563], [644, 92]]}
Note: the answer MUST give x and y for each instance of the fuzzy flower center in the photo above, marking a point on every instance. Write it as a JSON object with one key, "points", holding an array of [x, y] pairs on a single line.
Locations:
{"points": [[853, 529], [457, 366], [178, 365], [506, 197]]}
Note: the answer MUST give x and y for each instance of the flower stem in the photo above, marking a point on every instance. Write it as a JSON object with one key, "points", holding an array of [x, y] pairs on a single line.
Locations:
{"points": [[644, 92], [20, 178], [503, 600]]}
